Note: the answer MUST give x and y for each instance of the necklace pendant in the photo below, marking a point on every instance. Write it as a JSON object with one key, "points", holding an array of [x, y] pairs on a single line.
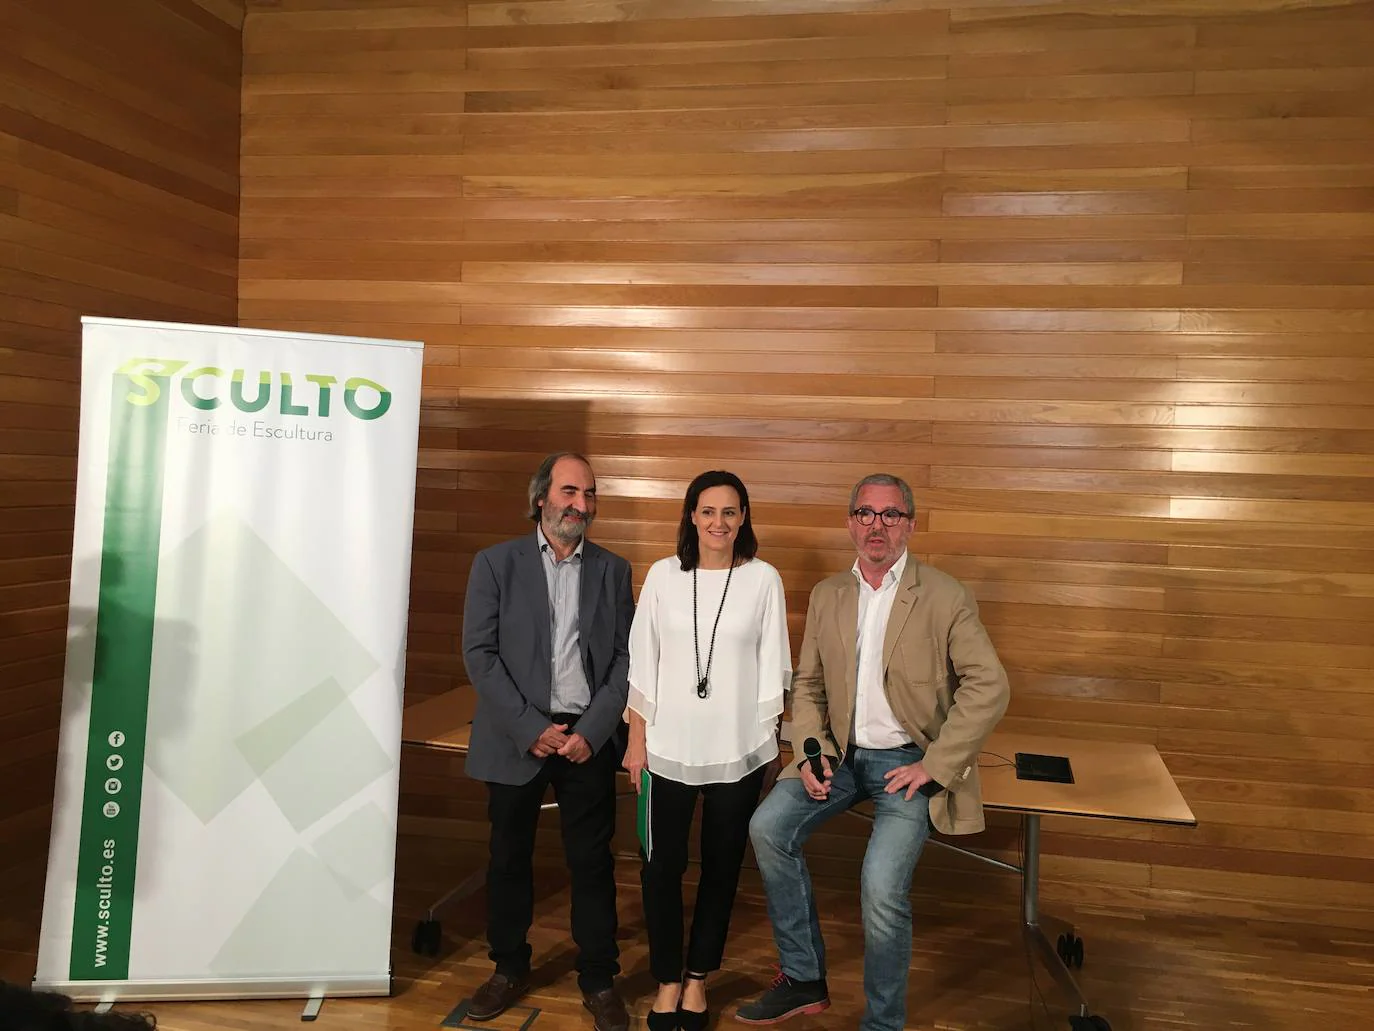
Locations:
{"points": [[701, 688]]}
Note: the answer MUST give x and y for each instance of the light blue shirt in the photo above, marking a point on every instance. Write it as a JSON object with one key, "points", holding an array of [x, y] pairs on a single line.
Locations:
{"points": [[569, 691]]}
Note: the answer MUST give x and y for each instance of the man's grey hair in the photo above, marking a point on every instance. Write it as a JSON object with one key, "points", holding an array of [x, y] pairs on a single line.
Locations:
{"points": [[884, 480], [542, 480]]}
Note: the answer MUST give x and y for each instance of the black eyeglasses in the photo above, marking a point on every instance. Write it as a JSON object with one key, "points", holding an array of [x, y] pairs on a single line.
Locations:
{"points": [[890, 516]]}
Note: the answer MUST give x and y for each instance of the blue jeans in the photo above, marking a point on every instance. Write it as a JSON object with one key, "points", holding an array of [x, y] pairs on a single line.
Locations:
{"points": [[781, 825]]}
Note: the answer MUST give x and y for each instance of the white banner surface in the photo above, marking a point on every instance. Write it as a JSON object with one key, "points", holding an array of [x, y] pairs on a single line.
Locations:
{"points": [[225, 816]]}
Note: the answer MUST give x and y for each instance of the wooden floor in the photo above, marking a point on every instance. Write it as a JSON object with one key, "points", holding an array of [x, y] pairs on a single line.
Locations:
{"points": [[968, 969]]}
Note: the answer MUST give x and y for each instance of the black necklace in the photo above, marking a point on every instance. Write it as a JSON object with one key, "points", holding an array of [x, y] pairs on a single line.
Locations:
{"points": [[703, 680]]}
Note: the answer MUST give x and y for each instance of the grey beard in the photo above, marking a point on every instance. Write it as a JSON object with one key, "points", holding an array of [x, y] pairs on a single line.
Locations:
{"points": [[566, 532]]}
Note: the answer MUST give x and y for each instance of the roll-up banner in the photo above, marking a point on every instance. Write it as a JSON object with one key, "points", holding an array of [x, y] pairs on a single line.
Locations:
{"points": [[224, 822]]}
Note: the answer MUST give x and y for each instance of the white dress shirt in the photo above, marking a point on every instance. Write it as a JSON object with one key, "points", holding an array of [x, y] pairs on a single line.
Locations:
{"points": [[874, 724]]}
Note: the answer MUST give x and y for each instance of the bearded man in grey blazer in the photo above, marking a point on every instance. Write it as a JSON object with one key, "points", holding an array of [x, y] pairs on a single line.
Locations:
{"points": [[546, 632]]}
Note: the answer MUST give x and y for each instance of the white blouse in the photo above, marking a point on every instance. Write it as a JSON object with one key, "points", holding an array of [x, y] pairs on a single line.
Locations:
{"points": [[733, 731]]}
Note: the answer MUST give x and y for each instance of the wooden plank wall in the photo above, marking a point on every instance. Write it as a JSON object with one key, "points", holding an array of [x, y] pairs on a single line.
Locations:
{"points": [[118, 197], [1094, 276]]}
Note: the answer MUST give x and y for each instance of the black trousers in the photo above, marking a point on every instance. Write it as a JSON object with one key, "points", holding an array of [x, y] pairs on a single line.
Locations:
{"points": [[725, 812], [585, 794]]}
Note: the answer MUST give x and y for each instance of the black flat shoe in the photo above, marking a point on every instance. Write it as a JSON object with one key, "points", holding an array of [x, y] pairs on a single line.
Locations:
{"points": [[657, 1020], [693, 1020]]}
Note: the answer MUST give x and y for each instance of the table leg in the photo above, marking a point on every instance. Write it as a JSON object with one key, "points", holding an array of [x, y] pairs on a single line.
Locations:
{"points": [[428, 934], [1030, 917], [468, 885], [1032, 931]]}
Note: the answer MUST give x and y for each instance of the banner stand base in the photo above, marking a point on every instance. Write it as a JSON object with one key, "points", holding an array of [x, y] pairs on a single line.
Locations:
{"points": [[107, 993], [312, 1007]]}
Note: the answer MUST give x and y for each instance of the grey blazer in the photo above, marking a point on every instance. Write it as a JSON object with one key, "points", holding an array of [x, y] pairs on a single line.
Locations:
{"points": [[508, 651]]}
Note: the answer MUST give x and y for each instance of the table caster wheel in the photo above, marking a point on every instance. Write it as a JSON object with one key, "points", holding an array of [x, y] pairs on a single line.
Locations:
{"points": [[1070, 949], [426, 938]]}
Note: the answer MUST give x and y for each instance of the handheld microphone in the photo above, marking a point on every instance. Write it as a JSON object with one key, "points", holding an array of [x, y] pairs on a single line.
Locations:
{"points": [[812, 750]]}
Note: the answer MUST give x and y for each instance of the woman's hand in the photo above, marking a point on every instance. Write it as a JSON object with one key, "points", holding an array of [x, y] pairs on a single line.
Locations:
{"points": [[635, 762], [636, 759]]}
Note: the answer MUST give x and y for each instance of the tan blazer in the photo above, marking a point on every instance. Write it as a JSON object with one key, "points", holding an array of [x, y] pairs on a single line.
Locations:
{"points": [[941, 676]]}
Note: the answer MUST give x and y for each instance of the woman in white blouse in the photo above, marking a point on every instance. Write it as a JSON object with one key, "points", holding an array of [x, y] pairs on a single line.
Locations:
{"points": [[709, 661]]}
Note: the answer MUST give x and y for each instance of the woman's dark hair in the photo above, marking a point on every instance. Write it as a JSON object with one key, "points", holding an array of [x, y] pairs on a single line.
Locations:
{"points": [[688, 545]]}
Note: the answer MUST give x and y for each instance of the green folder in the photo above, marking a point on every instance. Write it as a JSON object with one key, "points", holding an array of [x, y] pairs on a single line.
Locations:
{"points": [[643, 823]]}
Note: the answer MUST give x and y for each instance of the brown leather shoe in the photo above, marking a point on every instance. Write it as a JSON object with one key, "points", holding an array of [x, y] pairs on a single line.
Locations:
{"points": [[496, 995], [607, 1009]]}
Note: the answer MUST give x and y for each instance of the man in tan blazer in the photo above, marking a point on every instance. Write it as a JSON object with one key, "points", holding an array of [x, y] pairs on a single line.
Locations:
{"points": [[899, 686]]}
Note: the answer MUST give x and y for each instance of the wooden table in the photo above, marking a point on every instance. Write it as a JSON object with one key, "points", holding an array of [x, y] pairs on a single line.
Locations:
{"points": [[443, 722], [1113, 780]]}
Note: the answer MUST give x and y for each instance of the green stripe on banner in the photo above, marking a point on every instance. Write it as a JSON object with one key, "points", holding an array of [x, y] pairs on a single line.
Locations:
{"points": [[103, 920]]}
